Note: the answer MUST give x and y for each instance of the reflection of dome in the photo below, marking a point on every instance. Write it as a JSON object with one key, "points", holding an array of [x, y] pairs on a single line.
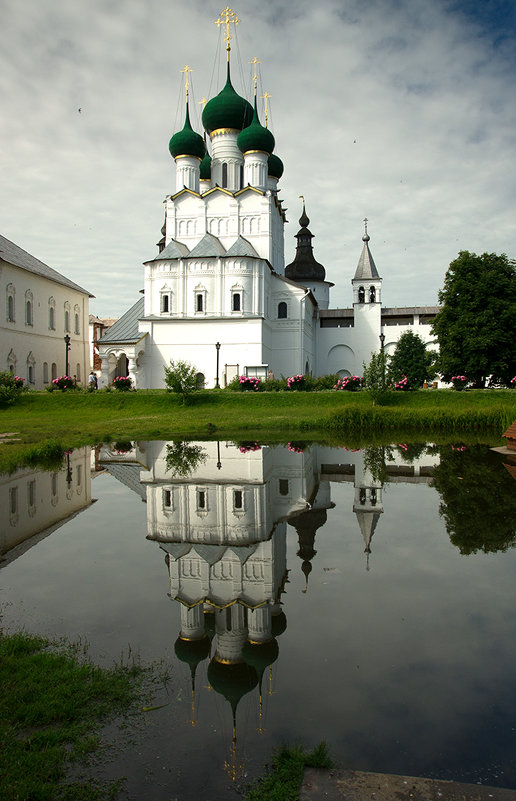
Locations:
{"points": [[227, 110], [192, 651], [306, 525], [279, 624], [260, 655], [233, 681]]}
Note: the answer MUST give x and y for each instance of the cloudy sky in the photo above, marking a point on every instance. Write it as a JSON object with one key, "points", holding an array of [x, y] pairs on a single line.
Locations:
{"points": [[403, 111]]}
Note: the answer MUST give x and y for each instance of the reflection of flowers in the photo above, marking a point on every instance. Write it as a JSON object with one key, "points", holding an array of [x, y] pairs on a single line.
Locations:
{"points": [[459, 381], [513, 381], [247, 447], [122, 447], [296, 447], [459, 448], [402, 385]]}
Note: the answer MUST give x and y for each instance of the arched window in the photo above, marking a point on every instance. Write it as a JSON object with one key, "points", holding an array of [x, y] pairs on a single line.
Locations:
{"points": [[282, 310], [10, 295], [241, 176], [28, 308], [77, 319], [361, 294], [31, 368], [67, 321], [54, 371], [78, 372], [199, 380], [236, 299], [199, 302], [11, 362], [362, 497], [224, 175], [51, 314], [45, 372], [372, 294]]}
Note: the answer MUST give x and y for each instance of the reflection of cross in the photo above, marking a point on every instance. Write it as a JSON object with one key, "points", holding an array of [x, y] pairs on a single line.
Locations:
{"points": [[227, 17], [365, 224], [186, 70], [266, 96], [255, 77]]}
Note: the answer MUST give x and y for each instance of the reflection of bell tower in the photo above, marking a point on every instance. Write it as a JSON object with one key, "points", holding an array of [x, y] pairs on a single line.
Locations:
{"points": [[306, 524], [367, 503]]}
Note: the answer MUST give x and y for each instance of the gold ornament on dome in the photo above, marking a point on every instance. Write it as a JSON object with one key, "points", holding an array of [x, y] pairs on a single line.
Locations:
{"points": [[227, 18]]}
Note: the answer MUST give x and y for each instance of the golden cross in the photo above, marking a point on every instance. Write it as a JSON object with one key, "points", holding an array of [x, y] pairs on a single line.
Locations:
{"points": [[227, 17], [365, 224], [265, 97], [203, 101], [186, 70], [255, 76]]}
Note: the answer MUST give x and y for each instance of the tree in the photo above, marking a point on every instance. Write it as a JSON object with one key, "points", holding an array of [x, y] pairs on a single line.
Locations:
{"points": [[374, 376], [411, 358], [181, 377], [476, 326], [183, 458]]}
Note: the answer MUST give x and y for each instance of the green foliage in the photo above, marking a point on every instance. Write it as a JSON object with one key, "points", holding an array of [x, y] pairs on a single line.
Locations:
{"points": [[411, 358], [478, 501], [51, 705], [181, 377], [11, 389], [183, 458], [476, 327], [283, 781], [374, 377]]}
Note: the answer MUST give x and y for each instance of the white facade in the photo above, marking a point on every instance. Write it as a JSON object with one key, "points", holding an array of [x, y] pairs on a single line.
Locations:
{"points": [[220, 276], [40, 307]]}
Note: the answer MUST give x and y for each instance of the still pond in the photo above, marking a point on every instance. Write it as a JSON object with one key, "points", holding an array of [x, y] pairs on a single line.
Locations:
{"points": [[287, 594]]}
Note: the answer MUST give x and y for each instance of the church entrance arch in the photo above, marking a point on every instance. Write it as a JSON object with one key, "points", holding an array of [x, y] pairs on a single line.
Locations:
{"points": [[341, 360]]}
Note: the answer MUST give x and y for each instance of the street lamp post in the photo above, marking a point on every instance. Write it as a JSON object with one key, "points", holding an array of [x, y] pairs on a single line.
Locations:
{"points": [[382, 350], [68, 348], [217, 385]]}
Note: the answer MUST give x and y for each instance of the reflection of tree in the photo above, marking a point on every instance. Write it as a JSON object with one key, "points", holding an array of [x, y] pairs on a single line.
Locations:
{"points": [[183, 458], [374, 461], [478, 500]]}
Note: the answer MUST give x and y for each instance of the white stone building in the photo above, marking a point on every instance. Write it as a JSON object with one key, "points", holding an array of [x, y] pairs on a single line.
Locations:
{"points": [[218, 293], [41, 307]]}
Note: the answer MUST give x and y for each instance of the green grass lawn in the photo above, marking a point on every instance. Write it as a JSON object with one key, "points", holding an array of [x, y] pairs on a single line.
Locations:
{"points": [[71, 419]]}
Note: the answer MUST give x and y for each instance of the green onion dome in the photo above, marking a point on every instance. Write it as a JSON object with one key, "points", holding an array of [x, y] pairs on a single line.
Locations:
{"points": [[279, 624], [260, 655], [192, 651], [205, 168], [227, 110], [255, 136], [187, 142], [275, 166], [233, 681]]}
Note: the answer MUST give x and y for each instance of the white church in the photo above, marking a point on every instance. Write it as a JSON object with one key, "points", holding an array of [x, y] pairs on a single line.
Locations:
{"points": [[218, 293]]}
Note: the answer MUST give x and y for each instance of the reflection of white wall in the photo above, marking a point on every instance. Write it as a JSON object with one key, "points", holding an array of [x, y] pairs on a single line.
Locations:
{"points": [[35, 500]]}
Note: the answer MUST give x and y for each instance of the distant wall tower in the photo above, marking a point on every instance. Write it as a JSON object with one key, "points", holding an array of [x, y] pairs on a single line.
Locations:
{"points": [[367, 304]]}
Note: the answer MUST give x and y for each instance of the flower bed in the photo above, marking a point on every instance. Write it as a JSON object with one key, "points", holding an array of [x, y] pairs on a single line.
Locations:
{"points": [[123, 383], [296, 382], [350, 383], [248, 384], [63, 382]]}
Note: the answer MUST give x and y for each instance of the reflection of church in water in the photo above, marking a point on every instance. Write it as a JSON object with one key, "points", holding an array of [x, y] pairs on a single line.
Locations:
{"points": [[223, 528]]}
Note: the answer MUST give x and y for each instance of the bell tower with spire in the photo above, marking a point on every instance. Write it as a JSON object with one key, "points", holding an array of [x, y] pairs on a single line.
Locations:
{"points": [[305, 269], [367, 303]]}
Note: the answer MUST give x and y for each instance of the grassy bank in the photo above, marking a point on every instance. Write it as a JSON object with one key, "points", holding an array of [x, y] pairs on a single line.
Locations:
{"points": [[282, 781], [51, 707], [74, 419]]}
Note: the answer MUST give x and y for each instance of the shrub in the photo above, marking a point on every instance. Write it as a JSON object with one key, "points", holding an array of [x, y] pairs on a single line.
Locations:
{"points": [[350, 383], [123, 383], [296, 382], [249, 384], [11, 388], [459, 381], [181, 378], [64, 382], [402, 385]]}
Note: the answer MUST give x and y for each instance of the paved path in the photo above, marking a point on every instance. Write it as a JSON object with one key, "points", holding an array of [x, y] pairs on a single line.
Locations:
{"points": [[352, 785]]}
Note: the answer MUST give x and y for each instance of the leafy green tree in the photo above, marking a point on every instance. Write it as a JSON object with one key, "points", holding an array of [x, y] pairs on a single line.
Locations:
{"points": [[181, 377], [476, 326], [374, 377], [411, 358]]}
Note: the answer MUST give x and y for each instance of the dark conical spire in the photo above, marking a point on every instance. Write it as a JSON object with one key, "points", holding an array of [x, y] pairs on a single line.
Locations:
{"points": [[366, 268], [305, 267]]}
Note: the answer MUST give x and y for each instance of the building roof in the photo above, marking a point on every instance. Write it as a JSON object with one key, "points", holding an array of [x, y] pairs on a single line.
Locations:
{"points": [[209, 246], [366, 268], [126, 328], [404, 310], [174, 250], [18, 257], [242, 247]]}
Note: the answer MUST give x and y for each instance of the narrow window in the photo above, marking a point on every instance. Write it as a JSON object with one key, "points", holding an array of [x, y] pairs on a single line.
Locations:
{"points": [[31, 493], [78, 475], [45, 372], [165, 303], [241, 176], [372, 294], [167, 499], [30, 373], [10, 309], [228, 618], [236, 301], [67, 321], [77, 329], [78, 371], [54, 371], [361, 294], [282, 310], [54, 484], [199, 302], [51, 318], [201, 499], [237, 499], [28, 313], [283, 486], [224, 175], [362, 497], [13, 500]]}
